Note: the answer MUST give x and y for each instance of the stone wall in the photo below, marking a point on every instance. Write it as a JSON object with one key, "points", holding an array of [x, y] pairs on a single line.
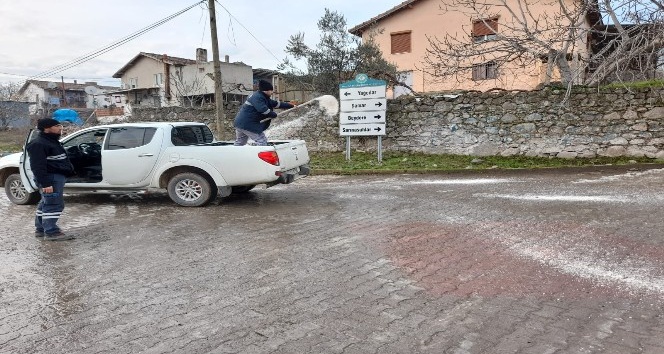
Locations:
{"points": [[547, 123], [536, 123]]}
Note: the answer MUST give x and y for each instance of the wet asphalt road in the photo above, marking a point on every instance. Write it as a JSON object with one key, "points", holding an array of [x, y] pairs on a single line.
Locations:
{"points": [[522, 262]]}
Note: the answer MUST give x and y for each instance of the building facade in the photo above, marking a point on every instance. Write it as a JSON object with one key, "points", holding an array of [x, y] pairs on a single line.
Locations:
{"points": [[404, 35]]}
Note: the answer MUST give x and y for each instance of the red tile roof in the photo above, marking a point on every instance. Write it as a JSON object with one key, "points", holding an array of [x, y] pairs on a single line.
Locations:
{"points": [[357, 30], [158, 57]]}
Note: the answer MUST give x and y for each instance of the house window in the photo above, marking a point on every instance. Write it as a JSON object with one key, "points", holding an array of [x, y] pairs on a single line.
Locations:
{"points": [[158, 79], [485, 29], [400, 42], [133, 82], [485, 71]]}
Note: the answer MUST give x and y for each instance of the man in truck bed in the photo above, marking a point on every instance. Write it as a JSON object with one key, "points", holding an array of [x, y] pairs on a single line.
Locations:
{"points": [[257, 107]]}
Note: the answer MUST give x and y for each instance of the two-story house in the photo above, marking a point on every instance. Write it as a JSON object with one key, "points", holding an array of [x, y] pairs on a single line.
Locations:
{"points": [[47, 96], [160, 80], [403, 34]]}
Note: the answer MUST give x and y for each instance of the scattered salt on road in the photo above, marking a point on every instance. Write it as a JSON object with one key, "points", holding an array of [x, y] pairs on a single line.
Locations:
{"points": [[559, 198]]}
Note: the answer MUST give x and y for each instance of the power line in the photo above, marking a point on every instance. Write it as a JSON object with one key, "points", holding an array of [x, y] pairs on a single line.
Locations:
{"points": [[248, 31], [92, 55], [2, 73]]}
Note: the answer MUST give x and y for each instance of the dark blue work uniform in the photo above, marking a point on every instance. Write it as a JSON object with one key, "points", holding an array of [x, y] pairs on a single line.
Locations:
{"points": [[51, 167]]}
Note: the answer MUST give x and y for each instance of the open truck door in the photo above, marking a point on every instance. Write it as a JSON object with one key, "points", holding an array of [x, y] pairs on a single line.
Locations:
{"points": [[27, 177]]}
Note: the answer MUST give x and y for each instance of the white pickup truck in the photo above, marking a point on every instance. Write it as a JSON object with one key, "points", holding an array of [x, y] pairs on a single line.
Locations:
{"points": [[184, 158]]}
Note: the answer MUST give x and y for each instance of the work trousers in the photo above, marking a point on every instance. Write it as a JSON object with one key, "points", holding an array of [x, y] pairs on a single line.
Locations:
{"points": [[242, 136], [50, 207]]}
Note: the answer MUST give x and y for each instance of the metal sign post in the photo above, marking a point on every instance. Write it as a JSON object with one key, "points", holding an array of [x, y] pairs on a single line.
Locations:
{"points": [[363, 108]]}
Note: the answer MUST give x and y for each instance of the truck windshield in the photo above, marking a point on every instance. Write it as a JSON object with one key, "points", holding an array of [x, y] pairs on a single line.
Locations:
{"points": [[191, 135]]}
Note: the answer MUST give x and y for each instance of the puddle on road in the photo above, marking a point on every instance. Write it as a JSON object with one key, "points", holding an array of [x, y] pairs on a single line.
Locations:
{"points": [[73, 219]]}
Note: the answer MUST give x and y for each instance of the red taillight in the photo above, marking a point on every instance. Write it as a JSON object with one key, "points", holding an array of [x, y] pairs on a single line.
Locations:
{"points": [[270, 157]]}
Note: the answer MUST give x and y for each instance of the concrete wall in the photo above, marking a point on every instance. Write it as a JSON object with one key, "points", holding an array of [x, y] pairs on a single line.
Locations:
{"points": [[537, 123]]}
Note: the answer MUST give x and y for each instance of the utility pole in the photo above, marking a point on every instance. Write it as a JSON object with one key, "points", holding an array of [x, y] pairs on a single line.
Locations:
{"points": [[64, 98], [218, 95]]}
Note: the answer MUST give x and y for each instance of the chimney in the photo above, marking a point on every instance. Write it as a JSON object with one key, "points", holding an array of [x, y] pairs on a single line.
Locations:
{"points": [[226, 58], [75, 82], [201, 55]]}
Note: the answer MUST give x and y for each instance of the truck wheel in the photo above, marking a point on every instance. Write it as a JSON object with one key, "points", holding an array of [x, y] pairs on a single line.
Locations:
{"points": [[17, 193], [191, 190], [242, 189]]}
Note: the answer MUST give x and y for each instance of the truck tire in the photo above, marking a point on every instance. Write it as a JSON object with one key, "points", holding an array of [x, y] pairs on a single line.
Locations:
{"points": [[191, 190], [242, 189], [17, 193]]}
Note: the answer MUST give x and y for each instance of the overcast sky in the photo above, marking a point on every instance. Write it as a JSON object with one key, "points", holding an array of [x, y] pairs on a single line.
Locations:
{"points": [[39, 35]]}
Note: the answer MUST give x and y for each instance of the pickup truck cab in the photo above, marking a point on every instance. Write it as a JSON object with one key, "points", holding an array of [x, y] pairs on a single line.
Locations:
{"points": [[183, 158]]}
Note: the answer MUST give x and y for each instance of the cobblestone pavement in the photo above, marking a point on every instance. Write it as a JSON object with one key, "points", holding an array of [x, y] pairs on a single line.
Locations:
{"points": [[524, 262]]}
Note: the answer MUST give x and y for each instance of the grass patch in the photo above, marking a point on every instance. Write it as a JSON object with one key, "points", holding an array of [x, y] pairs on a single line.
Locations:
{"points": [[417, 162], [636, 84], [12, 140]]}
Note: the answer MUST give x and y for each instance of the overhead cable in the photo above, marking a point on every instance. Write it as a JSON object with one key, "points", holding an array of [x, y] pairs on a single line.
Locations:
{"points": [[92, 55], [248, 31]]}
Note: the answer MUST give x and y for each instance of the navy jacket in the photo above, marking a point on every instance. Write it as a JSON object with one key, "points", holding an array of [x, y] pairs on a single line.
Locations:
{"points": [[258, 107], [48, 156]]}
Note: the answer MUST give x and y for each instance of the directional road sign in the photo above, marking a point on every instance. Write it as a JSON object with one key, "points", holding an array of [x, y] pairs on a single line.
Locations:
{"points": [[362, 129], [370, 104], [362, 117], [356, 93]]}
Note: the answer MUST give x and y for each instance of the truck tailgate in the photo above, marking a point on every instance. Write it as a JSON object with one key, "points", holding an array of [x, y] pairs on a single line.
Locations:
{"points": [[292, 154]]}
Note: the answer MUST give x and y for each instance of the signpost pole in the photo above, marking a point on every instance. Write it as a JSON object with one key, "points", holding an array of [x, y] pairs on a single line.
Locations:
{"points": [[348, 148], [380, 149]]}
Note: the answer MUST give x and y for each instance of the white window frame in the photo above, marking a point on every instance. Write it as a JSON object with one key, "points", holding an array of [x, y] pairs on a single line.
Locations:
{"points": [[485, 71]]}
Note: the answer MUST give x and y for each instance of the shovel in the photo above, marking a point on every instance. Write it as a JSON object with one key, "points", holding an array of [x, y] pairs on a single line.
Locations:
{"points": [[327, 101]]}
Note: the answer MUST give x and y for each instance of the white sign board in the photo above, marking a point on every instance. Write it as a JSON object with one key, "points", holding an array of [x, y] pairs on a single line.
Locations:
{"points": [[370, 104], [361, 117], [356, 93], [362, 129]]}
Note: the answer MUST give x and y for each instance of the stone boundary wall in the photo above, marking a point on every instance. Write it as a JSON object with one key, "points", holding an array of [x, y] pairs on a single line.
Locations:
{"points": [[542, 123]]}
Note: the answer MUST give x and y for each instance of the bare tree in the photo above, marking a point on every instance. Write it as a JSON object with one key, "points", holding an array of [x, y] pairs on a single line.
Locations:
{"points": [[570, 40], [8, 90], [10, 111], [631, 50], [187, 91]]}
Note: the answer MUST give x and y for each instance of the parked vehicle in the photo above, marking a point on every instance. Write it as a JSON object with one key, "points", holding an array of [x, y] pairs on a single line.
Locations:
{"points": [[183, 158]]}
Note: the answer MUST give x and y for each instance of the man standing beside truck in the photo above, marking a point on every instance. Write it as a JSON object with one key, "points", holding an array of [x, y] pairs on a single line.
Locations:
{"points": [[51, 167], [258, 106]]}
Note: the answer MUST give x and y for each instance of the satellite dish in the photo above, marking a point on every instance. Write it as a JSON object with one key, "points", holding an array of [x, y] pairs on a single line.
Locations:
{"points": [[91, 90], [51, 85]]}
